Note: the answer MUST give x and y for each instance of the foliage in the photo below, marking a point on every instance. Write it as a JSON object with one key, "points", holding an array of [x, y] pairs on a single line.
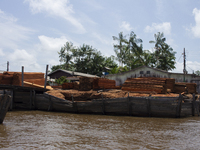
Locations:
{"points": [[61, 80], [119, 69], [65, 55], [197, 72], [163, 56], [130, 52], [85, 59]]}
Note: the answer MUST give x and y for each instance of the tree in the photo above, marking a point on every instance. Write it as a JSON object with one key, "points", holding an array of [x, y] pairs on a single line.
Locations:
{"points": [[197, 72], [65, 55], [120, 48], [89, 60], [164, 56]]}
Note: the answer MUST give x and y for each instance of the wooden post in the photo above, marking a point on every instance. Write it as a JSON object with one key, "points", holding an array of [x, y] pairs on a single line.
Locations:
{"points": [[149, 106], [11, 105], [22, 75], [129, 106], [45, 84], [103, 105], [31, 99], [193, 105], [7, 65], [34, 100], [50, 104], [72, 99], [178, 108]]}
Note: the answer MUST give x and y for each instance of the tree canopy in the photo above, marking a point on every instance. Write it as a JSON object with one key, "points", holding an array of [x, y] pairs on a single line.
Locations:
{"points": [[129, 52], [85, 59]]}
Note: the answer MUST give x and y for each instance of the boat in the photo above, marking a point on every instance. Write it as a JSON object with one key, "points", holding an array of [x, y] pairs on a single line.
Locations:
{"points": [[5, 101]]}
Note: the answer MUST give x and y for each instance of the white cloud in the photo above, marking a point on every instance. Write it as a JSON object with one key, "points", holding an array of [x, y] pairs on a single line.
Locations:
{"points": [[196, 28], [60, 8], [51, 44], [101, 39], [162, 27], [21, 56], [190, 67], [125, 26], [1, 53], [11, 32]]}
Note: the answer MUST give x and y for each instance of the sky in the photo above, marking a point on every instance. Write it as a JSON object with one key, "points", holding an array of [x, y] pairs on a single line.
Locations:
{"points": [[33, 31]]}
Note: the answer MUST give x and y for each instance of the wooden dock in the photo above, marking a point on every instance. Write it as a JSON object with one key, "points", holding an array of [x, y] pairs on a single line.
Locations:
{"points": [[25, 98]]}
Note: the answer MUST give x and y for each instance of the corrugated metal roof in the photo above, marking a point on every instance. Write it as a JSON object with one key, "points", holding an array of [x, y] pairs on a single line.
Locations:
{"points": [[74, 73]]}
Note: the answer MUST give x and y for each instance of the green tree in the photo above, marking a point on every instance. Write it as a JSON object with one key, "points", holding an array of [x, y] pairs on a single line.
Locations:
{"points": [[61, 80], [65, 55], [89, 60], [197, 72], [164, 56], [120, 48]]}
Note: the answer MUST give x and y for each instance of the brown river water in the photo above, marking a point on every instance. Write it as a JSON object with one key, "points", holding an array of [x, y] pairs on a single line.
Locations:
{"points": [[52, 130]]}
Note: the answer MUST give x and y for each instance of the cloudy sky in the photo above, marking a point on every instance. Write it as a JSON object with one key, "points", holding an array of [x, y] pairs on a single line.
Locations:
{"points": [[33, 31]]}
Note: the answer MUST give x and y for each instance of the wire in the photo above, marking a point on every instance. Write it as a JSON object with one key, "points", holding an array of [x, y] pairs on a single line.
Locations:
{"points": [[180, 57]]}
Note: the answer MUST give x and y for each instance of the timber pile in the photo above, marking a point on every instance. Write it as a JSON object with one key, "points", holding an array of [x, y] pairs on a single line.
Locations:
{"points": [[103, 83], [76, 85], [31, 79], [68, 85], [86, 83], [108, 94], [185, 87], [6, 79], [151, 84]]}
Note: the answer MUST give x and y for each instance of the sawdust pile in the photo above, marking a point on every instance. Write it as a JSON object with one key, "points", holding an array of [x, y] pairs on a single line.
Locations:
{"points": [[89, 95]]}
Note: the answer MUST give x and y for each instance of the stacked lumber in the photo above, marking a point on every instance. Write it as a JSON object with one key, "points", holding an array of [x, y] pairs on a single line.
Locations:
{"points": [[76, 85], [15, 78], [169, 84], [28, 84], [185, 87], [158, 85], [6, 79], [103, 83], [68, 85], [28, 75], [191, 87], [86, 83]]}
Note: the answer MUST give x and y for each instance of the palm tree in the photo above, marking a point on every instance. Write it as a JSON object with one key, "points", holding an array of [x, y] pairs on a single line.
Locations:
{"points": [[65, 54], [163, 54], [120, 48]]}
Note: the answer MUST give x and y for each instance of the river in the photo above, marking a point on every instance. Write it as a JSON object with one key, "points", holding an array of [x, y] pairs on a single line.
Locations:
{"points": [[53, 130]]}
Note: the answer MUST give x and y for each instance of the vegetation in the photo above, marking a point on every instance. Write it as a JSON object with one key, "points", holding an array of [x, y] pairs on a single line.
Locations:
{"points": [[84, 59], [61, 80], [129, 52]]}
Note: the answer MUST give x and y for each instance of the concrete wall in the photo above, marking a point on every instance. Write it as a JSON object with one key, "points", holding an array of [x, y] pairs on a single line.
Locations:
{"points": [[141, 72], [148, 72]]}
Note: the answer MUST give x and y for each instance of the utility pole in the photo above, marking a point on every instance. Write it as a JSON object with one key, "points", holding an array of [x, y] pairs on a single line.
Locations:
{"points": [[7, 65], [184, 65]]}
